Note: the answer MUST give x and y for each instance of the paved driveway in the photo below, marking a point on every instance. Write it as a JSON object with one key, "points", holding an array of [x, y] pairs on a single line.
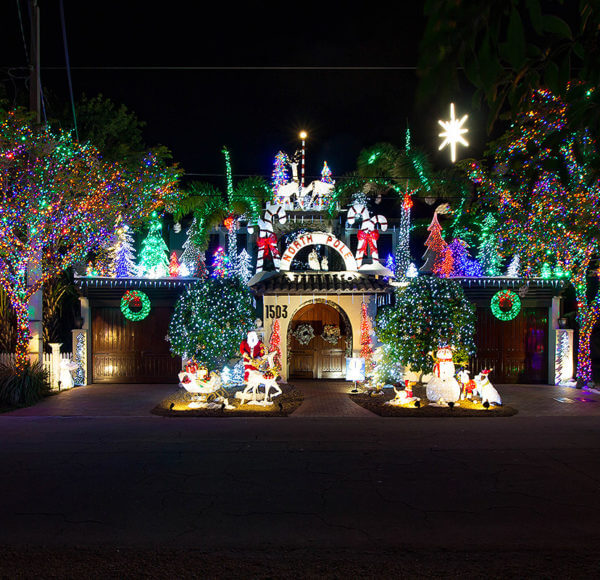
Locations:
{"points": [[321, 399]]}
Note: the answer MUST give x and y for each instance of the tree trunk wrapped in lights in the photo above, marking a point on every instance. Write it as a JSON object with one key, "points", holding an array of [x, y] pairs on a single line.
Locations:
{"points": [[70, 206]]}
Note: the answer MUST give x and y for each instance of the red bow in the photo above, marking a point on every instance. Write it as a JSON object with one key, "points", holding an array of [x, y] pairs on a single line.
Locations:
{"points": [[268, 245], [367, 237]]}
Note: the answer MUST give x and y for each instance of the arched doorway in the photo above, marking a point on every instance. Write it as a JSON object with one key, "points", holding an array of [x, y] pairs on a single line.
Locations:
{"points": [[319, 358]]}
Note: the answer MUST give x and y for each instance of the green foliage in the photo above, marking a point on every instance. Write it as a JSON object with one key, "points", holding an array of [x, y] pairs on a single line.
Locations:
{"points": [[429, 313], [113, 129], [507, 48], [23, 387], [211, 320]]}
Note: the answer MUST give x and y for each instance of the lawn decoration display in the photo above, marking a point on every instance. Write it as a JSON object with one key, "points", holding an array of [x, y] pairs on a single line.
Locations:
{"points": [[267, 241], [404, 397], [485, 390], [468, 385], [505, 305], [136, 299], [260, 370], [205, 387], [443, 388], [65, 377]]}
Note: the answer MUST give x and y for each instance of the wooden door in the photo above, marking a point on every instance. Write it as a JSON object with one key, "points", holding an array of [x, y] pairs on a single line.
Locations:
{"points": [[132, 352], [515, 349], [319, 359]]}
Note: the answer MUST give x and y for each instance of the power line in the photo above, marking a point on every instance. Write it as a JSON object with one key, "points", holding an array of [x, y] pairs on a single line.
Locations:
{"points": [[232, 68]]}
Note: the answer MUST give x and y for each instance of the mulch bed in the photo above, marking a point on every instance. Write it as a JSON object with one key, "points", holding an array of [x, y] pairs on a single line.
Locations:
{"points": [[286, 403], [375, 404]]}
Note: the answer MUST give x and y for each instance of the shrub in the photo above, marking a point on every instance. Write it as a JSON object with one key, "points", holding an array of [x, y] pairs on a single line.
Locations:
{"points": [[23, 388]]}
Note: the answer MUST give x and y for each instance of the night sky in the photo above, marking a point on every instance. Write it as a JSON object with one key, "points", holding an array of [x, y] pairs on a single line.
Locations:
{"points": [[255, 112]]}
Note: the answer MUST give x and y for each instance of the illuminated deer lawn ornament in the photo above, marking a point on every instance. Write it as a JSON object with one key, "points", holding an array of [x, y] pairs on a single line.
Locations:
{"points": [[258, 378]]}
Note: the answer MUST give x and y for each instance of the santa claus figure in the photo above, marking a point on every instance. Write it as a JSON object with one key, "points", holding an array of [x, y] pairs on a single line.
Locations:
{"points": [[253, 350]]}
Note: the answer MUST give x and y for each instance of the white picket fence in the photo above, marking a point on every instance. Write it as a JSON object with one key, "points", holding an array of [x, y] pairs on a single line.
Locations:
{"points": [[51, 362]]}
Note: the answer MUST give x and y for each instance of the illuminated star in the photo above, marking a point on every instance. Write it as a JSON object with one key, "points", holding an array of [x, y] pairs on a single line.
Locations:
{"points": [[453, 133]]}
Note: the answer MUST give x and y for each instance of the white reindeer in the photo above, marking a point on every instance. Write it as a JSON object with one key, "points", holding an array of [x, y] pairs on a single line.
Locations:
{"points": [[320, 191], [256, 379]]}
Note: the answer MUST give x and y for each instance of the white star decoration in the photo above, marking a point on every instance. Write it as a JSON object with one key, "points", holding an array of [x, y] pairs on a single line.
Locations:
{"points": [[453, 133]]}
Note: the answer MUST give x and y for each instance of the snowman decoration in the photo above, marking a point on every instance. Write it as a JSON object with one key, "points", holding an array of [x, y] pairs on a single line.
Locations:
{"points": [[443, 388]]}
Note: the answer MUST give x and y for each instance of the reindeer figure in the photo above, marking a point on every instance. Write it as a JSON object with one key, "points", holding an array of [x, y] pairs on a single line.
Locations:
{"points": [[258, 378], [267, 241]]}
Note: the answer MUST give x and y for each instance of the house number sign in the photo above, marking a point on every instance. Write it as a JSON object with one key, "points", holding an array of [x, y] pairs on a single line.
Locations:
{"points": [[272, 311]]}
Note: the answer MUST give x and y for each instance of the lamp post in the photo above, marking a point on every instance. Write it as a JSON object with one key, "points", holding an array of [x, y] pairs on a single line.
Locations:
{"points": [[303, 135]]}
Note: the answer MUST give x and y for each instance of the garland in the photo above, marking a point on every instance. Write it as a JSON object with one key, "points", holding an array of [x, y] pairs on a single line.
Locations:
{"points": [[505, 305], [136, 298], [304, 333]]}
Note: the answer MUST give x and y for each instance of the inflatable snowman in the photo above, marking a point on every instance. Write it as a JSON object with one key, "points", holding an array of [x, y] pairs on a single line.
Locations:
{"points": [[443, 387]]}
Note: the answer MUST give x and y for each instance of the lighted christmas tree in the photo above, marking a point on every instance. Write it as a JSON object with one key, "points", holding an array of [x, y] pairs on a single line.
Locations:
{"points": [[412, 271], [546, 271], [274, 344], [487, 255], [173, 266], [124, 260], [191, 252], [462, 263], [231, 223], [201, 269], [548, 199], [390, 263], [444, 266], [514, 268], [280, 174], [326, 174], [366, 343], [154, 262], [244, 266], [211, 320], [220, 264], [436, 246], [430, 312], [402, 253]]}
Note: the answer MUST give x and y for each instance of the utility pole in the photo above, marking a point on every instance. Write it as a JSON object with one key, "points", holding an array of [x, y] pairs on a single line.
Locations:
{"points": [[34, 271]]}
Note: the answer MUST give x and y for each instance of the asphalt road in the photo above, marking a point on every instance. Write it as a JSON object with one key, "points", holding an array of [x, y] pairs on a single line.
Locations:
{"points": [[143, 496]]}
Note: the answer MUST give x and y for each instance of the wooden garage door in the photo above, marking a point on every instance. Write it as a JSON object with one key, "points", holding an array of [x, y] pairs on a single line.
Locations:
{"points": [[318, 359], [517, 350], [132, 352]]}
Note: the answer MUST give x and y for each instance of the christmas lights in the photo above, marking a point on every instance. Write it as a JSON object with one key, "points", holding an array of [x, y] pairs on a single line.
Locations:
{"points": [[436, 247], [60, 200], [153, 255], [210, 321], [124, 256], [429, 313], [137, 299], [274, 345], [545, 186], [505, 305], [220, 264]]}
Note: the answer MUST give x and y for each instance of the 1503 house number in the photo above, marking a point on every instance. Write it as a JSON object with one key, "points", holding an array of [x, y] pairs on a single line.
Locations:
{"points": [[278, 311]]}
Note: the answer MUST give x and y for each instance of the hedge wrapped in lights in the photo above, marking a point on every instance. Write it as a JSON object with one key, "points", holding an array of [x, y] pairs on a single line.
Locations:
{"points": [[210, 321]]}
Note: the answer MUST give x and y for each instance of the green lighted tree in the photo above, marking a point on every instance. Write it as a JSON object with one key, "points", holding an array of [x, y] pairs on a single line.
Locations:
{"points": [[211, 320], [429, 313]]}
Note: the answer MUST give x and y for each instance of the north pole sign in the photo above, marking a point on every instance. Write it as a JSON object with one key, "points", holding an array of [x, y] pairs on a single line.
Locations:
{"points": [[318, 239]]}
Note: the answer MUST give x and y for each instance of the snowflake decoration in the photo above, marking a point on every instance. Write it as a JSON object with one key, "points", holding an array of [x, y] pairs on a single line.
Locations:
{"points": [[453, 133]]}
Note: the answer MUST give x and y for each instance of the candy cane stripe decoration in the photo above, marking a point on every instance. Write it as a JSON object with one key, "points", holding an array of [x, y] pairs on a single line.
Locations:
{"points": [[368, 236], [267, 241]]}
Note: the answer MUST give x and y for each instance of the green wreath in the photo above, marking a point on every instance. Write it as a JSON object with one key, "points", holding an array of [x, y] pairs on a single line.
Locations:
{"points": [[136, 298], [505, 305]]}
